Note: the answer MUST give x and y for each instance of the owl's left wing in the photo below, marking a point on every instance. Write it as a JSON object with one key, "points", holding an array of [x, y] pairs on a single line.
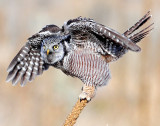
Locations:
{"points": [[28, 63], [80, 27], [83, 26]]}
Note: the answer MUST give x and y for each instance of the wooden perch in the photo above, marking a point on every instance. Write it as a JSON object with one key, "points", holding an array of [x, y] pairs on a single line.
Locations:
{"points": [[72, 117]]}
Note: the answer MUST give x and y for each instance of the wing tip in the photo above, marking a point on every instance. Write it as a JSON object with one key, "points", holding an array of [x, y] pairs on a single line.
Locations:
{"points": [[8, 80], [12, 65], [136, 48], [23, 83]]}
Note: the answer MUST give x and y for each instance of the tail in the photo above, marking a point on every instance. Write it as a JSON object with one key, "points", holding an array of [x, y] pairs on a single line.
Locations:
{"points": [[137, 37]]}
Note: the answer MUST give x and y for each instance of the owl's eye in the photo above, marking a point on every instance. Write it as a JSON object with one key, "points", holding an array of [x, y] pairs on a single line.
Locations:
{"points": [[44, 47], [55, 47]]}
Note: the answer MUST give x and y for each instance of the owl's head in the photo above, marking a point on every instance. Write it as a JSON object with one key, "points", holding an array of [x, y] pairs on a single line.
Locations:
{"points": [[52, 49]]}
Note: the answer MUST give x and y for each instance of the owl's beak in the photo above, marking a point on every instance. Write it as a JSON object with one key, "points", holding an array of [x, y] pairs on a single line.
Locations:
{"points": [[47, 51]]}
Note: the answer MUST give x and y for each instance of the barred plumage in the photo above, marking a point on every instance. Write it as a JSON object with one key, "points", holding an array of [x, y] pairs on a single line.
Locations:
{"points": [[83, 48], [91, 68]]}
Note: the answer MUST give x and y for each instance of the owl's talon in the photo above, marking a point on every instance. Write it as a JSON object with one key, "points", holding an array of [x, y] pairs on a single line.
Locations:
{"points": [[88, 93], [84, 96]]}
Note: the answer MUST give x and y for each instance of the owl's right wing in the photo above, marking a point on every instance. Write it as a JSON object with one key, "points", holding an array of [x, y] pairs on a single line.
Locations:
{"points": [[28, 63]]}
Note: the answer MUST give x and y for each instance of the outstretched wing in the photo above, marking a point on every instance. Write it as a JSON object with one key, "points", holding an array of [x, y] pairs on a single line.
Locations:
{"points": [[137, 37], [112, 42], [28, 63], [84, 26]]}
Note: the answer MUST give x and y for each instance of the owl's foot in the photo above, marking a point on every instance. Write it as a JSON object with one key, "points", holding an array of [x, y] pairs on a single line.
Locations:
{"points": [[88, 92]]}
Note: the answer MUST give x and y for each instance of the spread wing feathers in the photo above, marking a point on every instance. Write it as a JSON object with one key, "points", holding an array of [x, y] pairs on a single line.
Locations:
{"points": [[140, 35], [28, 63], [85, 25], [25, 66], [137, 37], [142, 21]]}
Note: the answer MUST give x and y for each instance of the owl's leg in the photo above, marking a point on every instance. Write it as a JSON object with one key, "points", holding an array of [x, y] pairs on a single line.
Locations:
{"points": [[88, 92]]}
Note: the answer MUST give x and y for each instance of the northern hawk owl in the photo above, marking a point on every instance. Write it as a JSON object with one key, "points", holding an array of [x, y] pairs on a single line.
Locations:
{"points": [[82, 48]]}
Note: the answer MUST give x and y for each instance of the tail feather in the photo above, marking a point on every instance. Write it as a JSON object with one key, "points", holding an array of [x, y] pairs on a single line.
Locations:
{"points": [[140, 35], [142, 21]]}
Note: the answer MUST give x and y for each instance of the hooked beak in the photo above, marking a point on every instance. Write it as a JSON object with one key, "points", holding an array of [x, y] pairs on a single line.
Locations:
{"points": [[47, 51]]}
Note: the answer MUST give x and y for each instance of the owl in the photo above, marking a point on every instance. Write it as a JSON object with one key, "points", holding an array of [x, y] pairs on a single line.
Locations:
{"points": [[82, 48]]}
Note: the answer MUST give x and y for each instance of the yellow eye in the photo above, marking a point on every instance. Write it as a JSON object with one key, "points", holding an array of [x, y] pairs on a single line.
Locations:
{"points": [[55, 47]]}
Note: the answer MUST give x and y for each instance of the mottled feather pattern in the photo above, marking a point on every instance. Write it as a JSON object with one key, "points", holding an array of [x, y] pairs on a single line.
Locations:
{"points": [[50, 29], [36, 39]]}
